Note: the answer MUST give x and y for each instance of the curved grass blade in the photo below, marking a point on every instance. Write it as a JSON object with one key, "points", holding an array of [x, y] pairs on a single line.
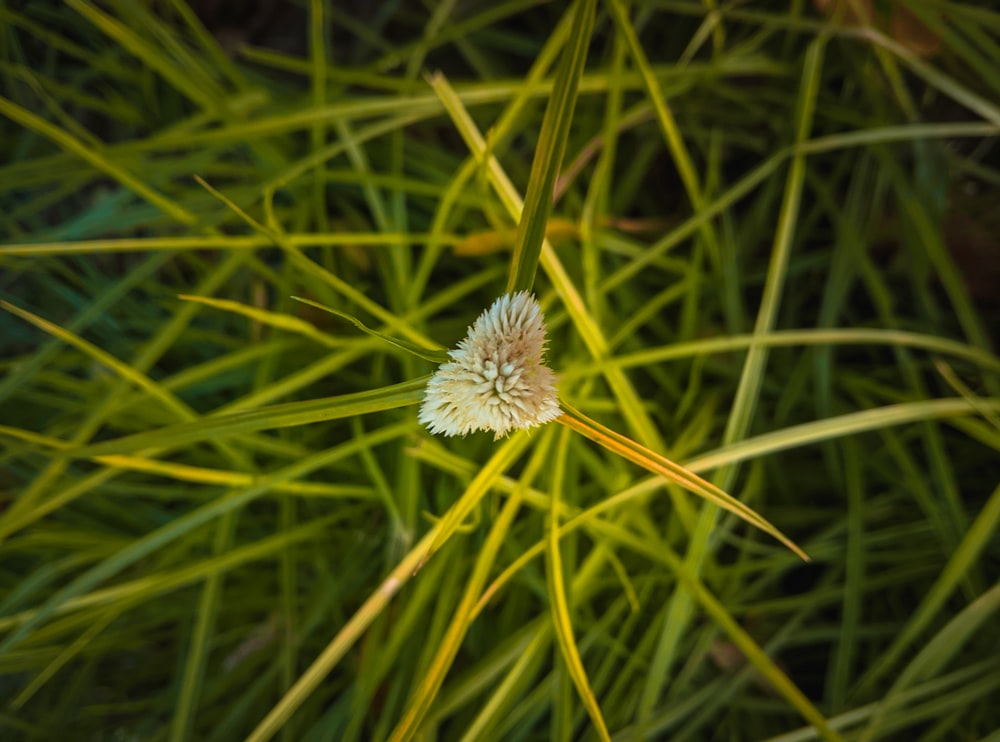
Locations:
{"points": [[428, 354], [654, 462]]}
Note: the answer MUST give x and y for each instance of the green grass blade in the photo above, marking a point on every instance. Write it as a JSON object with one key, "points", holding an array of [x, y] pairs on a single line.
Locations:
{"points": [[550, 150], [265, 418]]}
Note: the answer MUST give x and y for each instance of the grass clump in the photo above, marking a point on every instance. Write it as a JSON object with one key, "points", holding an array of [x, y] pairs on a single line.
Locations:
{"points": [[760, 238]]}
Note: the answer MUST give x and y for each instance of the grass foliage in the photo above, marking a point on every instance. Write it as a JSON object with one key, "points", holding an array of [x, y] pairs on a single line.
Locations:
{"points": [[764, 237]]}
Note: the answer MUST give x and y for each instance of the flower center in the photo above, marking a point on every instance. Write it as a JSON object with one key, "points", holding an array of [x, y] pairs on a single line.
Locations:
{"points": [[499, 382]]}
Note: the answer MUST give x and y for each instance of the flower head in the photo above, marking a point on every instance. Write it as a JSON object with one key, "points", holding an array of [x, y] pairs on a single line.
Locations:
{"points": [[497, 379]]}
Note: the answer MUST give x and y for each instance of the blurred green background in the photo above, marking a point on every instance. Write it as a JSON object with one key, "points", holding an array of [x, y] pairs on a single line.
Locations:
{"points": [[772, 256]]}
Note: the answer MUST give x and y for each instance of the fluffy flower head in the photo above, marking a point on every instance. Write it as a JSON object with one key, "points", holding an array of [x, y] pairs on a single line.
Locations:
{"points": [[497, 378]]}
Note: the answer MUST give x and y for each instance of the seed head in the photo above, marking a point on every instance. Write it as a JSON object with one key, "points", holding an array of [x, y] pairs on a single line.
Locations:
{"points": [[497, 379]]}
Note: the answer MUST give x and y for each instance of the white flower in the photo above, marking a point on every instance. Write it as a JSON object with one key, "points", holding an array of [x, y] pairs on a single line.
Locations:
{"points": [[497, 379]]}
